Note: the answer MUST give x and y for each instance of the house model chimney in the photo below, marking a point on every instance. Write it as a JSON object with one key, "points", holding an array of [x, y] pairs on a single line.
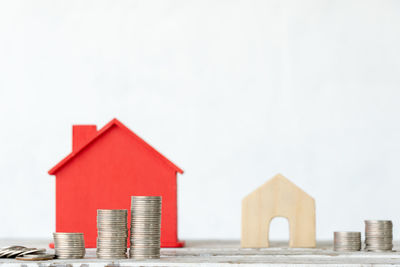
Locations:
{"points": [[81, 134]]}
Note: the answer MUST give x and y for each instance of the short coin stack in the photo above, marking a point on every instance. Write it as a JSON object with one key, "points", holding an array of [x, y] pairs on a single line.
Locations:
{"points": [[378, 235], [347, 241], [69, 245], [145, 227], [112, 234]]}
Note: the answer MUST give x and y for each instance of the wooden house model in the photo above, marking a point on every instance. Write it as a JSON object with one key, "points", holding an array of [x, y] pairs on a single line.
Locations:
{"points": [[278, 197]]}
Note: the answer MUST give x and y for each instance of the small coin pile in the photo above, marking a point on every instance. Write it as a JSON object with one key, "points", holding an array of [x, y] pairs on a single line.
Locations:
{"points": [[112, 234], [145, 227], [347, 241], [378, 235], [69, 245], [20, 251]]}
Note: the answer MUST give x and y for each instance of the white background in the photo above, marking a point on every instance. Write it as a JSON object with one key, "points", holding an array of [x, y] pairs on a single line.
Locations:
{"points": [[233, 92]]}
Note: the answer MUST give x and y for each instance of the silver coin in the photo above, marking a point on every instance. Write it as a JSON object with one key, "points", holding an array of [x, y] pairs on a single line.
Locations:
{"points": [[146, 243], [113, 255], [378, 221], [138, 257], [145, 256], [114, 246], [111, 251], [136, 199], [69, 242], [113, 217], [109, 257], [116, 222], [347, 233], [144, 206], [146, 229], [378, 247], [145, 222], [122, 245], [112, 211], [347, 249], [136, 242], [142, 209], [145, 234], [61, 257], [33, 250], [111, 230], [122, 222], [70, 255], [67, 235], [346, 244], [36, 257], [112, 239], [379, 239], [70, 250], [69, 246], [66, 255], [7, 252], [155, 218], [112, 235], [77, 243], [106, 253], [145, 249]]}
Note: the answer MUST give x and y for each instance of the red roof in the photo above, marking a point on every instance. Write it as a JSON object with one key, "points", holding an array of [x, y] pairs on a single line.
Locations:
{"points": [[108, 126]]}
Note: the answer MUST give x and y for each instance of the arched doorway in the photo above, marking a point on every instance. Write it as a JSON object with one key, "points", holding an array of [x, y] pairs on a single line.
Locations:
{"points": [[279, 232]]}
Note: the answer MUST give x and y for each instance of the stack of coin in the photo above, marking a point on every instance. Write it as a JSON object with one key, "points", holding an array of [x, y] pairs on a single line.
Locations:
{"points": [[69, 245], [112, 234], [145, 227], [347, 241], [378, 235]]}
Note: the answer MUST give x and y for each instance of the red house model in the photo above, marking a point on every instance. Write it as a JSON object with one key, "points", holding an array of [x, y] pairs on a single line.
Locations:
{"points": [[104, 170]]}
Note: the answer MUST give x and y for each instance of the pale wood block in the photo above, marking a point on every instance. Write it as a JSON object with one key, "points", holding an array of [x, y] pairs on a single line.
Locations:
{"points": [[278, 197]]}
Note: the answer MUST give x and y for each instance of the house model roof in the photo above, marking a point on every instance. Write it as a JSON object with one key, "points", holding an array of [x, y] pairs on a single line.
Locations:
{"points": [[108, 126], [279, 180]]}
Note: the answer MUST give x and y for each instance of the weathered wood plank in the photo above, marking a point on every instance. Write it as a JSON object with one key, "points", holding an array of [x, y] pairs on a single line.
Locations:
{"points": [[228, 253]]}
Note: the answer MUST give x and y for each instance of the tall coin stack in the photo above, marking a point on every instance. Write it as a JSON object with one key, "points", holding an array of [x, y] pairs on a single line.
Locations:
{"points": [[347, 241], [112, 234], [69, 245], [145, 227], [378, 235]]}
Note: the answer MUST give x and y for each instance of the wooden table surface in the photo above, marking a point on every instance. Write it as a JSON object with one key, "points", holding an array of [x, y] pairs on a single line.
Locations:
{"points": [[223, 253]]}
